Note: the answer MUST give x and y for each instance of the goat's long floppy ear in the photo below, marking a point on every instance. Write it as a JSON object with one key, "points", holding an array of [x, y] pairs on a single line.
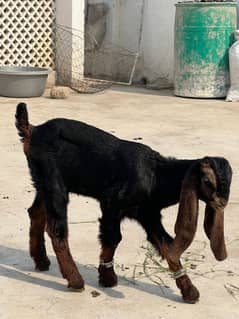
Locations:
{"points": [[214, 212], [186, 223], [214, 228]]}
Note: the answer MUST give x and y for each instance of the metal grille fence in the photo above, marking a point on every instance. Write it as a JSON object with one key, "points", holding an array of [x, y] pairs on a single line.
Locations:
{"points": [[27, 32], [113, 63]]}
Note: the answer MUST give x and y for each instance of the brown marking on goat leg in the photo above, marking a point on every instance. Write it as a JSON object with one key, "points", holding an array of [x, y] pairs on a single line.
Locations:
{"points": [[189, 292], [37, 241], [107, 254], [107, 275], [66, 263]]}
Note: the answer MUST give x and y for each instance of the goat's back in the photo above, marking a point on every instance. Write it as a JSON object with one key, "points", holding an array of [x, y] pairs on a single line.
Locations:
{"points": [[91, 160]]}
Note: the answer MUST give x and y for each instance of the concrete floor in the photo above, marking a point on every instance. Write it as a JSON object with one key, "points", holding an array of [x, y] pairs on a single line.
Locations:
{"points": [[183, 128]]}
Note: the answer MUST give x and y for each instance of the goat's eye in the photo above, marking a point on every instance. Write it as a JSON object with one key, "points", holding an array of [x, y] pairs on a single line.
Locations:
{"points": [[206, 180]]}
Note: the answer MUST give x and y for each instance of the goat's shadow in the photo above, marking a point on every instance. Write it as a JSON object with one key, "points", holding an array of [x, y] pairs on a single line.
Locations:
{"points": [[17, 264]]}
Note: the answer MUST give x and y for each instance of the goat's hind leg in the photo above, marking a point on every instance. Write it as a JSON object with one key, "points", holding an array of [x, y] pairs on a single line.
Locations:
{"points": [[37, 214], [110, 237], [56, 200], [66, 263], [162, 241]]}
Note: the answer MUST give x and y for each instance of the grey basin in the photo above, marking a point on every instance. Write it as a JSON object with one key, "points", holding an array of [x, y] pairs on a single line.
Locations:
{"points": [[16, 81]]}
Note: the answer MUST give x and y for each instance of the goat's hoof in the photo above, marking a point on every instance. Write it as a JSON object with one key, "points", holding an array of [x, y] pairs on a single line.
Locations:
{"points": [[107, 277], [43, 265], [76, 289], [192, 295], [77, 285], [189, 292]]}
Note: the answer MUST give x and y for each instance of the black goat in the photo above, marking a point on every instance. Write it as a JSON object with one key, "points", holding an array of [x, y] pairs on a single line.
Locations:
{"points": [[129, 180]]}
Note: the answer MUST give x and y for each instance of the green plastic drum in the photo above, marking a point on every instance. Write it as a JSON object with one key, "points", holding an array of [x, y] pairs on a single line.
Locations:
{"points": [[203, 35]]}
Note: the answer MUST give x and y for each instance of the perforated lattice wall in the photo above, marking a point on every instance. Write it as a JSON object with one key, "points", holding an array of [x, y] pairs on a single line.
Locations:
{"points": [[26, 32]]}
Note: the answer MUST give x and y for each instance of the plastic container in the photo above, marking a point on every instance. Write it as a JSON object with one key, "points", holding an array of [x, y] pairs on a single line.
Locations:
{"points": [[233, 93], [203, 35], [17, 81]]}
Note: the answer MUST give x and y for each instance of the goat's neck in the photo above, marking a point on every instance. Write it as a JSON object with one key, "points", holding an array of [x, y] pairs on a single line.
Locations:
{"points": [[169, 177]]}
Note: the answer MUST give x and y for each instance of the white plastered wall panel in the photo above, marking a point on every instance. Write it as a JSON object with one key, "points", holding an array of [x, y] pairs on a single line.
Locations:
{"points": [[145, 27]]}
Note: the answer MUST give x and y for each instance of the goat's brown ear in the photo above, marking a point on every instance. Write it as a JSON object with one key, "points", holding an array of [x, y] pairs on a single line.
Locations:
{"points": [[186, 223], [214, 228]]}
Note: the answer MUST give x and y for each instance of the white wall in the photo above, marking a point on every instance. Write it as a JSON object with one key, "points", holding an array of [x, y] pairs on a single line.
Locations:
{"points": [[238, 14], [157, 42], [156, 46], [70, 42]]}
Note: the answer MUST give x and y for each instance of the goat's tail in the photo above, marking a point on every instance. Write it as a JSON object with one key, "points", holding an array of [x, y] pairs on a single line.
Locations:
{"points": [[22, 123]]}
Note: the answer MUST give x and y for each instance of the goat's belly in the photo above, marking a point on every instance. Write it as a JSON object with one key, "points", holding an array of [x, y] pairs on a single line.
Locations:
{"points": [[80, 182], [87, 172]]}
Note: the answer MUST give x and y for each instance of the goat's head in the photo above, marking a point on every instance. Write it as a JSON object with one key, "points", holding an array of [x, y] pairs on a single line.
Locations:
{"points": [[208, 179]]}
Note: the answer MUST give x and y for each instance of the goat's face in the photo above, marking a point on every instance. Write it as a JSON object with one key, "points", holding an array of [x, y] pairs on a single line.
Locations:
{"points": [[214, 190], [209, 180], [215, 179]]}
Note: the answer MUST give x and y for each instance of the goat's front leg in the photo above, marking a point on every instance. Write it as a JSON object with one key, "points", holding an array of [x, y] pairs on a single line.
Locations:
{"points": [[37, 214], [110, 237], [189, 292], [163, 242]]}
